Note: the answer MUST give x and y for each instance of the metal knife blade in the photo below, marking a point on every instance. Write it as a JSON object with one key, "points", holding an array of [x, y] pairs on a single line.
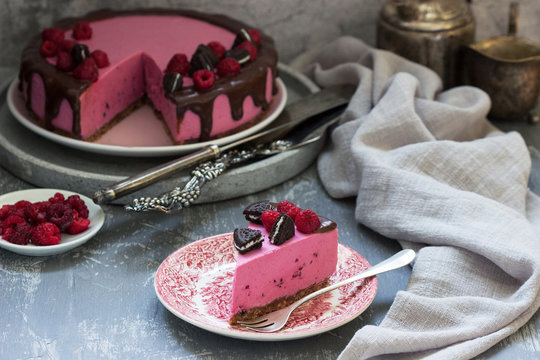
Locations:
{"points": [[294, 114]]}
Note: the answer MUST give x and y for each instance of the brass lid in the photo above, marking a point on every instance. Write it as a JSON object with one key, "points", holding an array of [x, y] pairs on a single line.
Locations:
{"points": [[427, 15]]}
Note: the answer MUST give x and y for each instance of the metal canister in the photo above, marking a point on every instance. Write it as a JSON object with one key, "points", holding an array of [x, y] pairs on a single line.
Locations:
{"points": [[429, 32]]}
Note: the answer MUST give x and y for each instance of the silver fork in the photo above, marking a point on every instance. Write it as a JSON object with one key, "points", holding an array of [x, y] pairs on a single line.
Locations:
{"points": [[276, 320]]}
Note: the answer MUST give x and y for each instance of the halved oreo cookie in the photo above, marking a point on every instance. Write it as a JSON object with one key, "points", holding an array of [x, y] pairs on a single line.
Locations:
{"points": [[246, 239], [282, 230], [203, 59], [241, 36], [172, 82], [241, 55], [254, 211]]}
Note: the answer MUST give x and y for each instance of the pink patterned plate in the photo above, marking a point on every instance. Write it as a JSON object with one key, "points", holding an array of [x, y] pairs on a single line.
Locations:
{"points": [[195, 284]]}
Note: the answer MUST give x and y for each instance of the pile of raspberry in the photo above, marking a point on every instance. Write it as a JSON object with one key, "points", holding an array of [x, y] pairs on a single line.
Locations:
{"points": [[41, 223], [305, 220], [72, 57], [221, 64]]}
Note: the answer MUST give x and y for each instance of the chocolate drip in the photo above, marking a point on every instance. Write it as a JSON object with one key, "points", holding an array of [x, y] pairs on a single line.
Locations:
{"points": [[326, 225], [249, 82]]}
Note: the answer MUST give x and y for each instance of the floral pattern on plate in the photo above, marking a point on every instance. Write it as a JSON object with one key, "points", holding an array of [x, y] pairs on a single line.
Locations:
{"points": [[195, 284]]}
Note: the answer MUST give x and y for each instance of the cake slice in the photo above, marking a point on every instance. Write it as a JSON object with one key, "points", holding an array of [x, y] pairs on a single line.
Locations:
{"points": [[272, 276]]}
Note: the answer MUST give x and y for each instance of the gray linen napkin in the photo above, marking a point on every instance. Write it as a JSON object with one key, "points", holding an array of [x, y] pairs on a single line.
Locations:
{"points": [[430, 171]]}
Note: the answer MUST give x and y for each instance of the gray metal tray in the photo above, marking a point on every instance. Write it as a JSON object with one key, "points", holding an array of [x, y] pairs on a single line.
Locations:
{"points": [[48, 164]]}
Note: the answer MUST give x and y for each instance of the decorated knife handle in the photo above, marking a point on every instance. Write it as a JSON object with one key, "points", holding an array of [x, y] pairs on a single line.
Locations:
{"points": [[150, 176]]}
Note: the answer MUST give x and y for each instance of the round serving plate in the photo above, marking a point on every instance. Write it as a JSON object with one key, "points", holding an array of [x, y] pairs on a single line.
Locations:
{"points": [[50, 164]]}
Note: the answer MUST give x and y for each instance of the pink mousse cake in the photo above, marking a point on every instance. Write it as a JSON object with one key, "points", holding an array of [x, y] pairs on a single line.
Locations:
{"points": [[135, 50], [284, 254]]}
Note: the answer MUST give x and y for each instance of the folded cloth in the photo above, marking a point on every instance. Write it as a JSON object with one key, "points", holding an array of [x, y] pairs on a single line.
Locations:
{"points": [[429, 170]]}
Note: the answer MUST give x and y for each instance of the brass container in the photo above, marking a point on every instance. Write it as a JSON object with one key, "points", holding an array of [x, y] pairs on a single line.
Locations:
{"points": [[429, 32], [508, 69]]}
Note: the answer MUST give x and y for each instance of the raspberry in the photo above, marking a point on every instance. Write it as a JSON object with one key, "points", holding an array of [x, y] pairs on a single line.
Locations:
{"points": [[228, 66], [22, 204], [179, 63], [101, 58], [204, 79], [255, 35], [246, 45], [35, 214], [60, 215], [5, 211], [64, 61], [47, 48], [86, 70], [82, 31], [19, 234], [12, 221], [288, 208], [78, 226], [307, 221], [66, 45], [55, 35], [76, 203], [57, 198], [46, 234], [269, 218], [217, 48]]}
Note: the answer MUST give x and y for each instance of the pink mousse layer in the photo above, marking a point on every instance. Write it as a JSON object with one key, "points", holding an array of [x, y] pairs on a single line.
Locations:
{"points": [[272, 271], [139, 48]]}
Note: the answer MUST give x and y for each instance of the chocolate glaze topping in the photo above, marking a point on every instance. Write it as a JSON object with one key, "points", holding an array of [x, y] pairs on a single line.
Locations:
{"points": [[249, 82]]}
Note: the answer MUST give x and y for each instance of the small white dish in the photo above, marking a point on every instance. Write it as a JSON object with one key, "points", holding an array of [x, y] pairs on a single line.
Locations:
{"points": [[17, 107], [67, 242]]}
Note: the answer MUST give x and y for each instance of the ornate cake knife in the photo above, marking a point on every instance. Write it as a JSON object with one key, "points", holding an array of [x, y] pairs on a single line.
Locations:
{"points": [[292, 116]]}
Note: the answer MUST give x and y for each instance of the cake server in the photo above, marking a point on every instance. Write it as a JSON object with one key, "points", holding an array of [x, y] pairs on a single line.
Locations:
{"points": [[309, 107]]}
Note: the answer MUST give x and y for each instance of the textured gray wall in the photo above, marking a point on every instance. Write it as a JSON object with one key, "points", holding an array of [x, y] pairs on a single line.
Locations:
{"points": [[296, 25]]}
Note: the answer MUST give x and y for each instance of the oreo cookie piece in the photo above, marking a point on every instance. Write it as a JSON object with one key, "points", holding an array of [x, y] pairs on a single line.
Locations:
{"points": [[254, 211], [241, 55], [79, 52], [172, 82], [203, 59], [282, 230], [241, 36], [246, 239]]}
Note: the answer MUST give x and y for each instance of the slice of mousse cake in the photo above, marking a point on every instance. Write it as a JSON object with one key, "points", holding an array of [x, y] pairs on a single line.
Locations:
{"points": [[292, 253]]}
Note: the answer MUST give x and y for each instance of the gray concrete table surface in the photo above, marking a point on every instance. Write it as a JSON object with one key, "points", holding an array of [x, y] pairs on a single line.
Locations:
{"points": [[98, 300]]}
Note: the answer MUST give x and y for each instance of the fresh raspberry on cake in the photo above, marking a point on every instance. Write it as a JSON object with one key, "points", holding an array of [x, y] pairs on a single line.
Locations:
{"points": [[307, 221], [269, 218], [82, 31], [288, 208], [204, 79], [48, 48], [228, 66], [255, 35], [246, 45], [46, 234], [66, 45], [100, 57], [86, 70], [64, 61], [217, 48], [53, 34], [179, 63]]}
